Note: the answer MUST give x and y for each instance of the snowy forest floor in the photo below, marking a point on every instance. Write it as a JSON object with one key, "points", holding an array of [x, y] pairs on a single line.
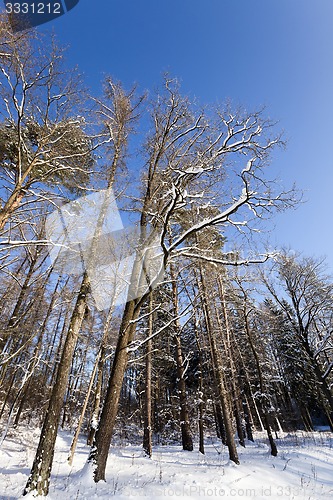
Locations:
{"points": [[303, 469]]}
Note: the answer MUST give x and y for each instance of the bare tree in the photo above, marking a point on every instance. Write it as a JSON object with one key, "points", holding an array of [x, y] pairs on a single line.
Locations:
{"points": [[189, 156]]}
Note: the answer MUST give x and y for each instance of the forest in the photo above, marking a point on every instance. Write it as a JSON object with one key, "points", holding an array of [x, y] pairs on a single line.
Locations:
{"points": [[203, 331]]}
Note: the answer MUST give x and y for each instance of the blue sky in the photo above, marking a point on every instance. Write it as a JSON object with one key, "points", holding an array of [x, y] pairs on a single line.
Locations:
{"points": [[276, 53]]}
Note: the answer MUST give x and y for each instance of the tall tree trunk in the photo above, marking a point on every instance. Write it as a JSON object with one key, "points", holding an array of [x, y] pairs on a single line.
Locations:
{"points": [[99, 383], [187, 441], [248, 393], [97, 399], [220, 430], [230, 354], [201, 392], [55, 353], [248, 419], [201, 411], [70, 382], [274, 451], [41, 469], [83, 411], [147, 432], [219, 374], [238, 416], [156, 416]]}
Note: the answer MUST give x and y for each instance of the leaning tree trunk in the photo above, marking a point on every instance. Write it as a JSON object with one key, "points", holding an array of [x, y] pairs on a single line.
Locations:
{"points": [[99, 453], [41, 470], [12, 204], [224, 400]]}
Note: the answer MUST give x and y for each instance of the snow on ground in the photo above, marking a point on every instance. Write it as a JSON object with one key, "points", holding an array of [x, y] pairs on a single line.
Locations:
{"points": [[303, 469]]}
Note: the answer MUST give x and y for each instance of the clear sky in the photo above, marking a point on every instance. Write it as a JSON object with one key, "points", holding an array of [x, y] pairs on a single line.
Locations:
{"points": [[277, 53]]}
